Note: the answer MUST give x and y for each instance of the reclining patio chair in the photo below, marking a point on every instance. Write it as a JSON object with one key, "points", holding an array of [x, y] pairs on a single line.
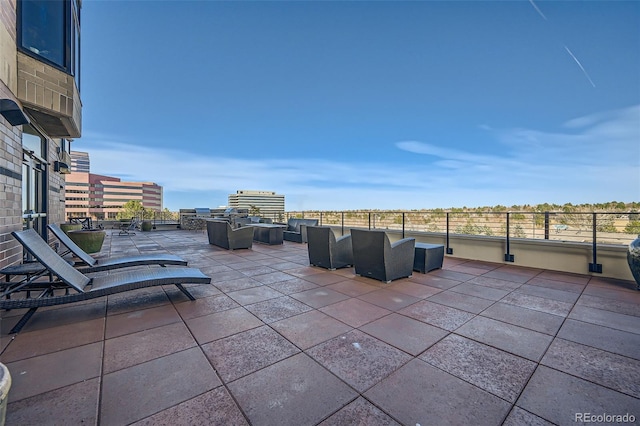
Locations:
{"points": [[95, 265], [326, 251], [72, 285], [128, 228], [375, 257]]}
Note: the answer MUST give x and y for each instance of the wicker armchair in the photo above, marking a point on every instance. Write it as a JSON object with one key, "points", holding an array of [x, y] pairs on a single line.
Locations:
{"points": [[221, 234], [375, 257], [326, 251]]}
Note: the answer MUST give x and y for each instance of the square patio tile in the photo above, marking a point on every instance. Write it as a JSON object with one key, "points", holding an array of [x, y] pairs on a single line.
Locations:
{"points": [[44, 373], [569, 396], [358, 359], [516, 340], [215, 407], [441, 282], [76, 404], [319, 297], [131, 349], [421, 291], [419, 393], [493, 370], [355, 312], [407, 334], [137, 392], [464, 302], [254, 295], [389, 299], [518, 417], [604, 318], [134, 300], [538, 303], [142, 319], [360, 412], [352, 288], [436, 314], [243, 353], [482, 291], [310, 328], [205, 306], [533, 320], [41, 342], [611, 305], [300, 392], [274, 277], [276, 309], [222, 324], [236, 284], [325, 278], [295, 285], [604, 368], [493, 282], [550, 293], [605, 338]]}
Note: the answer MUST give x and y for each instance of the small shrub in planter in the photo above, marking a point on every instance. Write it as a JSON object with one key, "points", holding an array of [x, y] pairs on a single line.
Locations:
{"points": [[146, 225], [67, 227]]}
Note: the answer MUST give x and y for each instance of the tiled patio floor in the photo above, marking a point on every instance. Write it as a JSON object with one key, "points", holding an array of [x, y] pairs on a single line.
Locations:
{"points": [[276, 342]]}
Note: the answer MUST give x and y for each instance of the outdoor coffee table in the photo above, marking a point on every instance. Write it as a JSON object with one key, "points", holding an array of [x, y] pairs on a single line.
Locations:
{"points": [[267, 233], [428, 257]]}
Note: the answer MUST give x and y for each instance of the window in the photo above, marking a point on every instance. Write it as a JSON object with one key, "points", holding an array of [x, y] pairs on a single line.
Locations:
{"points": [[50, 31], [34, 205]]}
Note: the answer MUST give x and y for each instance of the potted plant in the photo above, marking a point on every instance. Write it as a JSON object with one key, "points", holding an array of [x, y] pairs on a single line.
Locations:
{"points": [[146, 226], [67, 227]]}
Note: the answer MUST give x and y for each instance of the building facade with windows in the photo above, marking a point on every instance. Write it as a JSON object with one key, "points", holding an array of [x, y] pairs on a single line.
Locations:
{"points": [[102, 197], [269, 203], [40, 114]]}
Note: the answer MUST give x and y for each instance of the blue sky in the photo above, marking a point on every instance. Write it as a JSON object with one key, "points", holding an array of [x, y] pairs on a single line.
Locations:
{"points": [[366, 105]]}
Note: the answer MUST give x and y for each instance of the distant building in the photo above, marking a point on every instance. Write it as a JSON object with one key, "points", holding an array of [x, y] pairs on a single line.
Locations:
{"points": [[270, 204], [102, 197], [80, 162]]}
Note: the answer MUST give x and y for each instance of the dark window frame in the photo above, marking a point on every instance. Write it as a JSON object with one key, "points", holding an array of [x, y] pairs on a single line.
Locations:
{"points": [[71, 37]]}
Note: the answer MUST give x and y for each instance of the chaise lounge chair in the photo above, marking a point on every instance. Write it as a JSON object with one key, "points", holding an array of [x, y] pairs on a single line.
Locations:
{"points": [[95, 265], [72, 285]]}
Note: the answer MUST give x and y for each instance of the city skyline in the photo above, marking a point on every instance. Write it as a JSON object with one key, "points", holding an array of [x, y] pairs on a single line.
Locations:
{"points": [[366, 105]]}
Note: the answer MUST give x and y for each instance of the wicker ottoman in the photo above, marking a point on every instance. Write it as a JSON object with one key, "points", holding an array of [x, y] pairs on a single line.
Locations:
{"points": [[428, 257]]}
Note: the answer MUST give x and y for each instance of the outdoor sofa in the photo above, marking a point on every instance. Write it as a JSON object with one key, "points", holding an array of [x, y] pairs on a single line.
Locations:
{"points": [[297, 229]]}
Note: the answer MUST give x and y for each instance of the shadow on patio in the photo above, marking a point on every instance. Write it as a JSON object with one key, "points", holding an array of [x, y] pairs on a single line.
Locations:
{"points": [[276, 342]]}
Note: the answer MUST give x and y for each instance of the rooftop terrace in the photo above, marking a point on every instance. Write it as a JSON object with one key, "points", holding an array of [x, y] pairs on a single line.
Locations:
{"points": [[276, 342]]}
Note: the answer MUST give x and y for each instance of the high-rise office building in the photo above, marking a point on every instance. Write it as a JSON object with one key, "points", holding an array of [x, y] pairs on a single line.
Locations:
{"points": [[269, 203], [40, 113], [102, 197]]}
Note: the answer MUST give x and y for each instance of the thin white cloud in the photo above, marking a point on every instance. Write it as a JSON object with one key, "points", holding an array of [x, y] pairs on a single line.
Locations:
{"points": [[586, 74], [596, 160], [537, 9]]}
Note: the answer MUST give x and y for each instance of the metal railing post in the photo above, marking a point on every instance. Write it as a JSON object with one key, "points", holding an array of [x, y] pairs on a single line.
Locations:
{"points": [[546, 225], [595, 266], [508, 257], [342, 229], [369, 220], [402, 224], [320, 218], [449, 249]]}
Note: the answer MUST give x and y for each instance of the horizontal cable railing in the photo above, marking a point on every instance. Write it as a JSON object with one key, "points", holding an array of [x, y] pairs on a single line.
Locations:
{"points": [[594, 228]]}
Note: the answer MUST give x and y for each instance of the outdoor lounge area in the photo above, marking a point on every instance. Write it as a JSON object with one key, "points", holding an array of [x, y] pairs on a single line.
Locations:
{"points": [[275, 341]]}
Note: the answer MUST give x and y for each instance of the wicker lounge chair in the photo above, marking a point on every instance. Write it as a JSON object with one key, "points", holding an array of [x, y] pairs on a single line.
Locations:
{"points": [[221, 234], [326, 251], [375, 257], [72, 285], [95, 265]]}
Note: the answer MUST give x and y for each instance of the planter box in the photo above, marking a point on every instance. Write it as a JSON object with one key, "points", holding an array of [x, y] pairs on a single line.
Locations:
{"points": [[88, 240]]}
